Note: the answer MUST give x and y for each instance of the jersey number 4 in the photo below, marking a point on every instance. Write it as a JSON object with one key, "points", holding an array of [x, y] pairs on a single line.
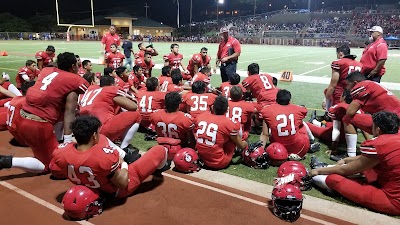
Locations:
{"points": [[83, 169], [47, 80]]}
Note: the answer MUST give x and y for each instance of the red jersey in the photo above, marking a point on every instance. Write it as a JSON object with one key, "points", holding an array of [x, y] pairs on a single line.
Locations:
{"points": [[25, 71], [47, 97], [135, 81], [93, 168], [201, 77], [47, 59], [338, 111], [109, 39], [386, 147], [147, 67], [173, 125], [374, 52], [199, 103], [174, 88], [149, 101], [173, 60], [114, 60], [98, 101], [121, 83], [240, 112], [226, 88], [345, 66], [81, 71], [267, 97], [164, 81], [139, 54], [257, 83], [284, 121], [213, 135], [373, 97], [198, 60], [13, 111], [226, 47]]}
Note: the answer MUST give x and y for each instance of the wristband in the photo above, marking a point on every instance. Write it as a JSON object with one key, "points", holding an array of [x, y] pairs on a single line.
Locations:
{"points": [[124, 165], [67, 138]]}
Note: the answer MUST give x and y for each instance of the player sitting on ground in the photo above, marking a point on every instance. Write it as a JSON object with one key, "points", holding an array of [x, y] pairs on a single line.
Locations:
{"points": [[217, 136], [45, 58], [225, 87], [176, 85], [86, 67], [146, 63], [198, 101], [136, 79], [199, 61], [255, 83], [27, 73], [165, 79]]}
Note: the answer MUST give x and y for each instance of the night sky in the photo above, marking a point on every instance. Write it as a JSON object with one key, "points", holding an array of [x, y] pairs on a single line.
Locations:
{"points": [[160, 10]]}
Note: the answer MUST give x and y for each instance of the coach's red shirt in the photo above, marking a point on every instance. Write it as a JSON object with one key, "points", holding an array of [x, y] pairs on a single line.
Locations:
{"points": [[374, 52], [224, 46], [109, 39]]}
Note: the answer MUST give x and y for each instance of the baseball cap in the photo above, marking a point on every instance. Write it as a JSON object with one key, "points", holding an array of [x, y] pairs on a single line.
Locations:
{"points": [[376, 29], [224, 30]]}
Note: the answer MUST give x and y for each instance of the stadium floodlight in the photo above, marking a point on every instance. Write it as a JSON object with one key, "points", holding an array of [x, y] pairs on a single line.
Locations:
{"points": [[221, 1]]}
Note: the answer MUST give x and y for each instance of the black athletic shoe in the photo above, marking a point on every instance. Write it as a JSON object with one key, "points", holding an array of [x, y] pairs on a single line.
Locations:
{"points": [[337, 157], [5, 161], [314, 147], [316, 163], [158, 172], [132, 154], [150, 137]]}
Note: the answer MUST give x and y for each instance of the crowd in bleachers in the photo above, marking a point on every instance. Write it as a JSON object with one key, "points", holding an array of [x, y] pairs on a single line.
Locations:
{"points": [[389, 22], [329, 25]]}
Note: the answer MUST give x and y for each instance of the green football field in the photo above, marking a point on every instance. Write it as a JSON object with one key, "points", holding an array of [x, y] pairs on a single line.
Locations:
{"points": [[309, 62]]}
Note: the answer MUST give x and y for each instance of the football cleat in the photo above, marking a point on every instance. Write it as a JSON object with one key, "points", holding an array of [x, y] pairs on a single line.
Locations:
{"points": [[314, 147], [337, 157], [316, 163], [132, 154], [5, 162]]}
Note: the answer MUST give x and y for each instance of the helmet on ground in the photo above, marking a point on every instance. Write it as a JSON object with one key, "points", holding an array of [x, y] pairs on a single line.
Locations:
{"points": [[81, 202], [255, 156], [287, 202], [187, 160], [294, 173], [277, 154]]}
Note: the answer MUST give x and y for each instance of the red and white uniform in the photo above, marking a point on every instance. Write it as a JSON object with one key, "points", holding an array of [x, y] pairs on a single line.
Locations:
{"points": [[343, 66], [45, 100], [109, 39], [198, 60], [226, 88], [3, 118], [148, 102], [173, 60], [240, 112], [374, 52], [164, 81], [213, 139], [201, 77], [258, 83], [136, 82], [25, 71], [173, 125], [385, 196], [175, 88], [147, 67], [139, 54], [199, 103], [95, 166], [47, 59], [286, 124], [81, 71], [122, 84], [4, 98], [114, 60], [267, 97], [224, 46]]}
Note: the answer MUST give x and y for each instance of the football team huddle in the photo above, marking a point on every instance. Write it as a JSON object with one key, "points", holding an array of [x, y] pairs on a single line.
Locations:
{"points": [[84, 124]]}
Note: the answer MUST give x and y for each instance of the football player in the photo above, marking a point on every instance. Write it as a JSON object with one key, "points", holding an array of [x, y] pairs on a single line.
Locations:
{"points": [[234, 80], [121, 78], [198, 101], [256, 83], [29, 72], [136, 79], [174, 60], [86, 67], [146, 64], [45, 58], [143, 49], [165, 79], [198, 61], [114, 58]]}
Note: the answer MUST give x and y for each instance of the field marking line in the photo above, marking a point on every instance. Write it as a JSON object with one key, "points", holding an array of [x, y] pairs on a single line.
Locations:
{"points": [[39, 201], [313, 219], [279, 57], [314, 70]]}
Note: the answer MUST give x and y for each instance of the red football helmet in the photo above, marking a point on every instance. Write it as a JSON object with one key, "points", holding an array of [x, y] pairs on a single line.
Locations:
{"points": [[255, 156], [187, 161], [81, 202], [277, 154], [173, 145], [287, 202], [295, 173]]}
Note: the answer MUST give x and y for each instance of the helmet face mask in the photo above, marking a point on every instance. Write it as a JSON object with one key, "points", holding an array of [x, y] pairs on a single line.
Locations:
{"points": [[256, 158], [287, 202]]}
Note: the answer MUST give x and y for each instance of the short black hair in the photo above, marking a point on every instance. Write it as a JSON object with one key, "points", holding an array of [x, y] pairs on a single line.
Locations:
{"points": [[283, 97], [172, 101], [83, 128], [29, 62], [236, 93], [387, 122], [120, 70], [25, 86], [166, 70], [108, 71], [50, 48], [253, 68], [220, 105], [355, 76], [89, 77], [198, 87], [113, 25], [205, 70], [147, 53], [77, 56], [136, 68], [174, 71], [345, 49], [176, 78], [65, 61], [204, 49], [151, 84], [107, 80], [234, 79], [114, 45], [85, 63], [173, 45], [274, 81], [347, 96], [139, 45]]}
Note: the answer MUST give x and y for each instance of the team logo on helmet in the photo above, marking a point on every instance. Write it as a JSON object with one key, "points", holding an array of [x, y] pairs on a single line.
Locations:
{"points": [[294, 173]]}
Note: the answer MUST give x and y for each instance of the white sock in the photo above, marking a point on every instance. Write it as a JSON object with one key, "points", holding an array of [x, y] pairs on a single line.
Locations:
{"points": [[317, 123], [336, 130], [328, 104], [320, 181], [310, 135], [129, 135], [29, 164], [351, 140], [59, 130], [14, 90], [162, 164], [121, 152]]}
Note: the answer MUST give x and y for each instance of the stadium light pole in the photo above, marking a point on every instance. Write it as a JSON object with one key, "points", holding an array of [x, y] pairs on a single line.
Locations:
{"points": [[218, 2]]}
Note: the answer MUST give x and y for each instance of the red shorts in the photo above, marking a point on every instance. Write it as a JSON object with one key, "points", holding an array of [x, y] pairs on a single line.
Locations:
{"points": [[39, 136], [224, 159], [325, 133], [116, 127], [143, 168]]}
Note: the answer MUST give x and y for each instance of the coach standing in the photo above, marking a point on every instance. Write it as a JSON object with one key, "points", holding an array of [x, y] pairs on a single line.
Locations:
{"points": [[110, 38], [375, 55], [228, 53]]}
